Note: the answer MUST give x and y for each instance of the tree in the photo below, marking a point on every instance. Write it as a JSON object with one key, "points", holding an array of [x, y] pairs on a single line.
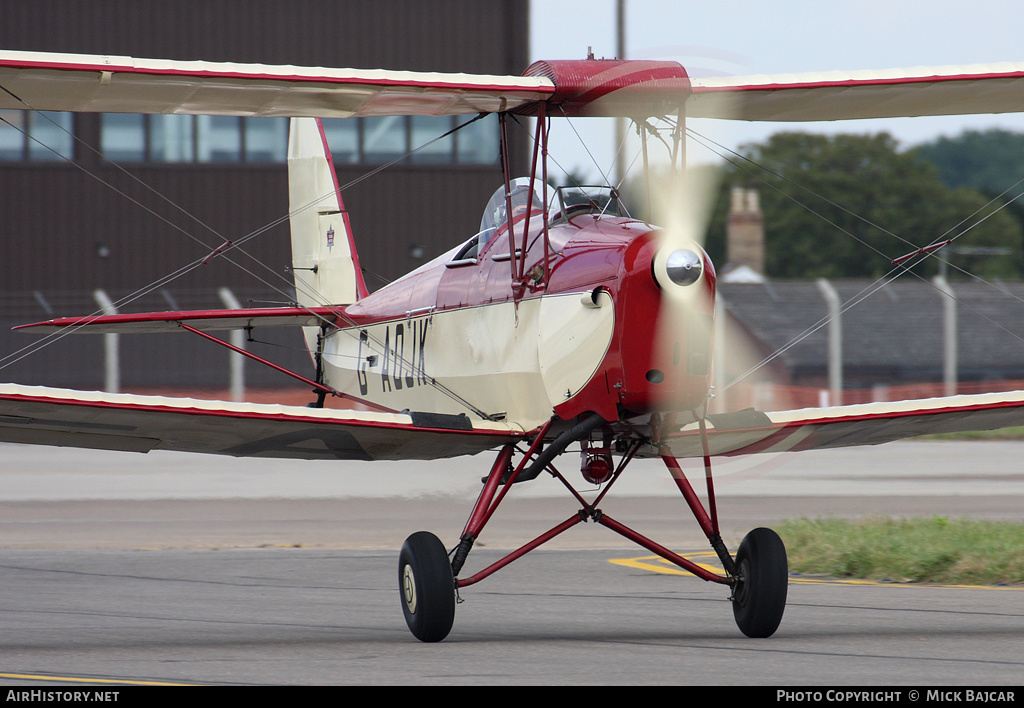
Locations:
{"points": [[846, 205], [990, 161]]}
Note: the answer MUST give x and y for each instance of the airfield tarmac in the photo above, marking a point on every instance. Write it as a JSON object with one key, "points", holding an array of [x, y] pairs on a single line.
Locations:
{"points": [[173, 568]]}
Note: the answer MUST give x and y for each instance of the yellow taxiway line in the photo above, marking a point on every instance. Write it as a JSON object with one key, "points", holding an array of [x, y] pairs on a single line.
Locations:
{"points": [[657, 564], [93, 680]]}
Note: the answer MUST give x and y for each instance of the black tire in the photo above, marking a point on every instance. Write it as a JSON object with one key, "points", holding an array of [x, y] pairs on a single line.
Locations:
{"points": [[759, 596], [427, 587]]}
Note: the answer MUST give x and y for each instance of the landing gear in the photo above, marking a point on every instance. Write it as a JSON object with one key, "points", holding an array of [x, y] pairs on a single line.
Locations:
{"points": [[429, 578], [762, 578], [427, 586]]}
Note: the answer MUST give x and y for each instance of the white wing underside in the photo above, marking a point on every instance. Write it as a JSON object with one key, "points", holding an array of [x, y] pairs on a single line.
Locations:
{"points": [[849, 426], [920, 91], [111, 421]]}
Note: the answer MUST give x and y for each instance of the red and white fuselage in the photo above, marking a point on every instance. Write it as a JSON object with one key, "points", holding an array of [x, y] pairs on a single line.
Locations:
{"points": [[455, 337]]}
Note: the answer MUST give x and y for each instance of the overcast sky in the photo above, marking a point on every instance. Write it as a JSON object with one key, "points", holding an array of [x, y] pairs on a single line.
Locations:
{"points": [[741, 37]]}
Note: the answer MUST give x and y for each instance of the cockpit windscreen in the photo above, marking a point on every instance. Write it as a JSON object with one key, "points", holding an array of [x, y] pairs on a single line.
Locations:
{"points": [[522, 197]]}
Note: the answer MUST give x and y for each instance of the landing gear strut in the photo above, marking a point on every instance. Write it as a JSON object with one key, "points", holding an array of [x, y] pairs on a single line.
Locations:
{"points": [[429, 578]]}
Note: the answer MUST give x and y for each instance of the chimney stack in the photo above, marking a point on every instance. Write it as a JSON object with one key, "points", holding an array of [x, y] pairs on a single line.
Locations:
{"points": [[744, 231]]}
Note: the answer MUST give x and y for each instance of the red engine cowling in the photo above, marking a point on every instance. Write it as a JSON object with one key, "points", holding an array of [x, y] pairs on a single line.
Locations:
{"points": [[666, 340]]}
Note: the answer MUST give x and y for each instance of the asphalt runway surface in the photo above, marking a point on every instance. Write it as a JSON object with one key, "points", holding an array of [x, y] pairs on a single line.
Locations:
{"points": [[121, 568]]}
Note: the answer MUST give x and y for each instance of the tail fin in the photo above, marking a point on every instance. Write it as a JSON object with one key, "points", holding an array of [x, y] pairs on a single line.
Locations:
{"points": [[324, 260]]}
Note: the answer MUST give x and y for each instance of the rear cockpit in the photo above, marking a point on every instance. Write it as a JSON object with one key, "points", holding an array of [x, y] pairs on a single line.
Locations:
{"points": [[496, 215], [520, 197]]}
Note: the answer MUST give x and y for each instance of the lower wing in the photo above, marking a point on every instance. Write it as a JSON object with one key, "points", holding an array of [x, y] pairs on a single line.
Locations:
{"points": [[752, 431], [108, 421]]}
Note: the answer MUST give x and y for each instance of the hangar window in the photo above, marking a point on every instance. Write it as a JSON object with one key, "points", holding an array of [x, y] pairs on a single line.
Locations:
{"points": [[208, 139], [123, 138], [36, 136], [126, 137], [171, 138], [374, 141], [265, 139]]}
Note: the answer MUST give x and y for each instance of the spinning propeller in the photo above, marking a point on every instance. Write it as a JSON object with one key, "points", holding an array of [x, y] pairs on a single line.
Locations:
{"points": [[685, 276]]}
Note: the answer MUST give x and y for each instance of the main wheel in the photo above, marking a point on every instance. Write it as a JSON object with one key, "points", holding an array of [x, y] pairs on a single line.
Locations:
{"points": [[759, 596], [427, 586]]}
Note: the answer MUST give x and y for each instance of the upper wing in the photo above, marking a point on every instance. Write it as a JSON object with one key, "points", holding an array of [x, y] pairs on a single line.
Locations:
{"points": [[113, 84], [73, 82], [844, 426], [921, 91], [107, 421]]}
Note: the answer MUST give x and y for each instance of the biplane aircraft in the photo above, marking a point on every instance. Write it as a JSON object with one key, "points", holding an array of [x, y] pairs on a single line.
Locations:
{"points": [[563, 323]]}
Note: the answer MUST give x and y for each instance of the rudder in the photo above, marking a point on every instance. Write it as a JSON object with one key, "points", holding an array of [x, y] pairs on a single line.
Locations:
{"points": [[324, 260]]}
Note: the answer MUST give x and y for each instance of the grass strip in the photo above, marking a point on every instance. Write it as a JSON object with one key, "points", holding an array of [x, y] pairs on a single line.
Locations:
{"points": [[923, 550], [1012, 433]]}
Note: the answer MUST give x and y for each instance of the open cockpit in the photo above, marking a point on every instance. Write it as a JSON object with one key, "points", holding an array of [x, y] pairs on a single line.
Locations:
{"points": [[563, 204]]}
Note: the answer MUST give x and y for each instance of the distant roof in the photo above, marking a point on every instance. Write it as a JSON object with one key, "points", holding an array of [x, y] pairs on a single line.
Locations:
{"points": [[896, 330], [740, 274]]}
